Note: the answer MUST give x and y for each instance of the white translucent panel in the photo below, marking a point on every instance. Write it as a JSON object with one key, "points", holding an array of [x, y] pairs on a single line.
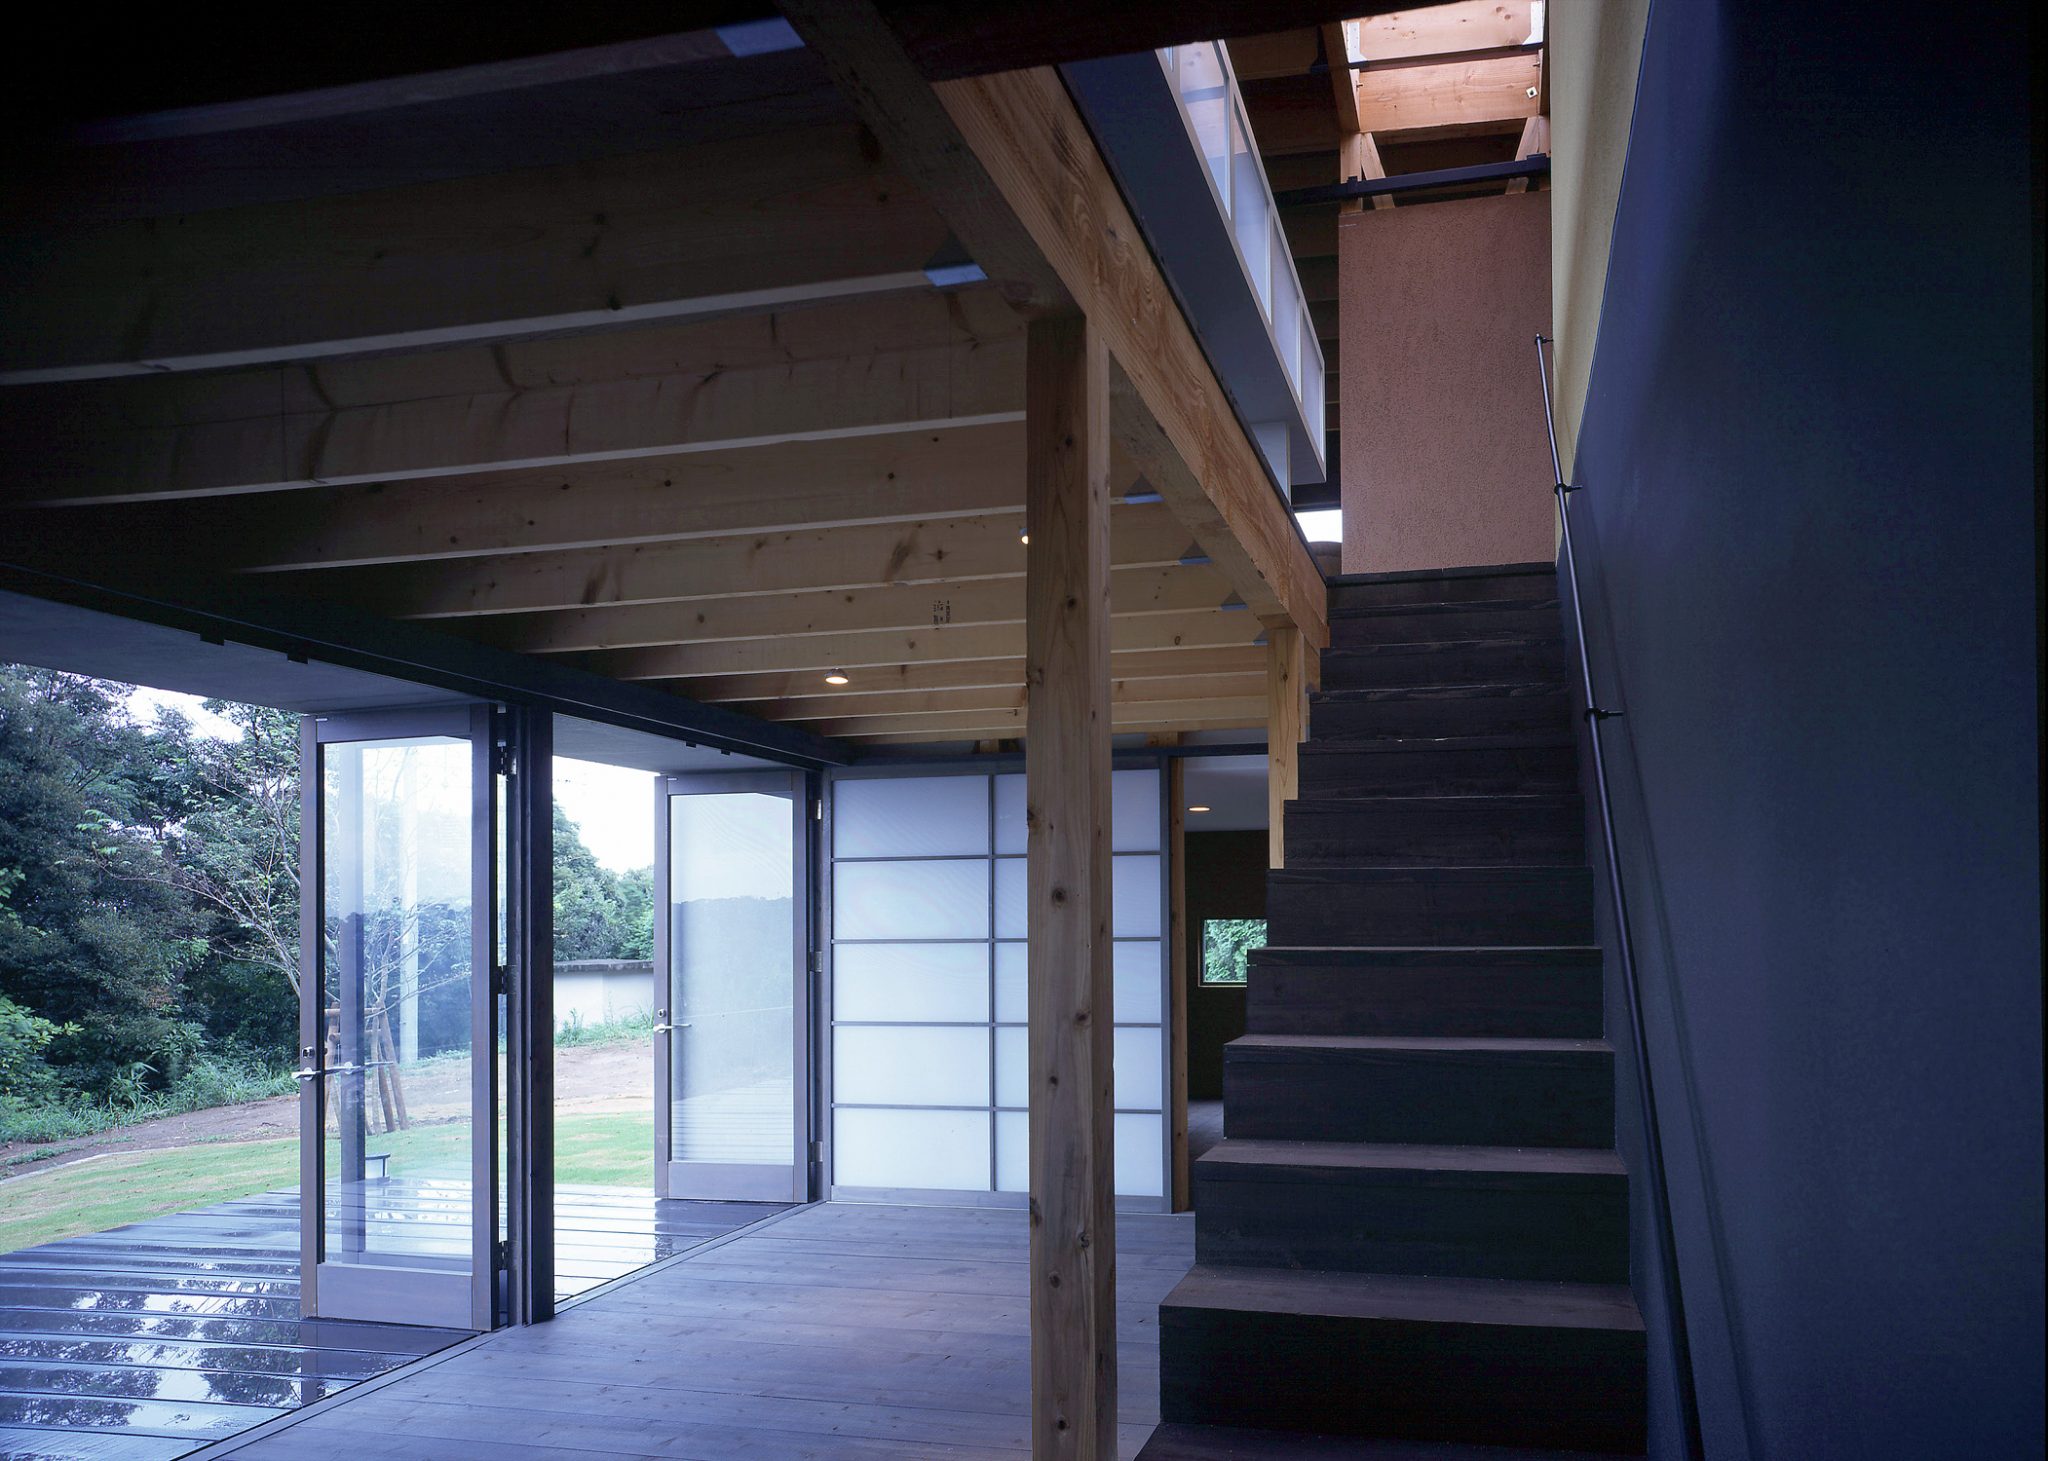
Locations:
{"points": [[1135, 894], [1013, 1151], [1312, 387], [1010, 813], [1139, 1085], [1012, 880], [1248, 216], [910, 900], [947, 1149], [1138, 977], [1136, 972], [1286, 311], [912, 816], [1133, 805], [1206, 96], [1013, 1068], [1134, 811], [1013, 998], [939, 982], [1140, 1156], [910, 1065]]}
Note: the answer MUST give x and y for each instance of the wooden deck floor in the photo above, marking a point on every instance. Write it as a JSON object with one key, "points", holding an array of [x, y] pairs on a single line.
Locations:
{"points": [[148, 1341], [833, 1331]]}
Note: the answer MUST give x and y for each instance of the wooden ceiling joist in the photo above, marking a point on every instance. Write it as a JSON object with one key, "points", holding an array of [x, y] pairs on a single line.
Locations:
{"points": [[1453, 93], [1179, 589], [891, 647], [1198, 714], [950, 550], [829, 372], [751, 223], [891, 680], [1003, 698]]}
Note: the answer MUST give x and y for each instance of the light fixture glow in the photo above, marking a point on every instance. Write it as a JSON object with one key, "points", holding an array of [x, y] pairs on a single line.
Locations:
{"points": [[1198, 809], [835, 678], [1024, 538]]}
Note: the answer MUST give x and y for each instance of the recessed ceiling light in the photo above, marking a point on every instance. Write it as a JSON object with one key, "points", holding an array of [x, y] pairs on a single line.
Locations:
{"points": [[1024, 538], [1198, 809], [835, 678]]}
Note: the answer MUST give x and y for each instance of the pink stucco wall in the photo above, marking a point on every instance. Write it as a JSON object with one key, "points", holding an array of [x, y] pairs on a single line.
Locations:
{"points": [[1444, 459]]}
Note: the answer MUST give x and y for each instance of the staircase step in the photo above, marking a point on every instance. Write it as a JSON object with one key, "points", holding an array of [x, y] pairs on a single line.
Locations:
{"points": [[1469, 1212], [1485, 1361], [1553, 993], [1368, 666], [1380, 907], [1444, 1091], [1179, 1442], [1361, 625], [1422, 768], [1439, 710], [1452, 831], [1510, 582]]}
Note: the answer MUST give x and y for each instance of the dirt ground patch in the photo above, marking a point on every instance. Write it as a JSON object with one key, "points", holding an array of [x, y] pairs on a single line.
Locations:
{"points": [[588, 1078]]}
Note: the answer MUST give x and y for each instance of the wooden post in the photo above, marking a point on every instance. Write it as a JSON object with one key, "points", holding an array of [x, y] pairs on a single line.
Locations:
{"points": [[1066, 762], [1287, 675]]}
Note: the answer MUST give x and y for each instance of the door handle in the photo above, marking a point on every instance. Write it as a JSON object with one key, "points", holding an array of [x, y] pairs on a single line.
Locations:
{"points": [[679, 1025]]}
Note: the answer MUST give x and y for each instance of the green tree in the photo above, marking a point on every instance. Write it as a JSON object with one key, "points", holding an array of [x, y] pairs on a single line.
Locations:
{"points": [[598, 913], [1227, 944]]}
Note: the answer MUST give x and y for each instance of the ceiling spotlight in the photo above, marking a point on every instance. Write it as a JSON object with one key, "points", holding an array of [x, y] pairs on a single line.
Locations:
{"points": [[1198, 809], [1024, 538], [835, 678]]}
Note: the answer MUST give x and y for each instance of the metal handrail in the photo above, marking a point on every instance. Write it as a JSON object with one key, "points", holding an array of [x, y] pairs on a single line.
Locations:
{"points": [[1653, 1142]]}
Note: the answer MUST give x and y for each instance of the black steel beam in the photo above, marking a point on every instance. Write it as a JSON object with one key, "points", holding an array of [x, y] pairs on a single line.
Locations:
{"points": [[1410, 182]]}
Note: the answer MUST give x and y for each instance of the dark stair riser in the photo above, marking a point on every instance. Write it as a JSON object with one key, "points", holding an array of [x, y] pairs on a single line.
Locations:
{"points": [[1507, 1385], [1567, 1227], [1466, 663], [1486, 588], [1429, 907], [1400, 994], [1481, 710], [1480, 1097], [1439, 832], [1340, 771], [1422, 623]]}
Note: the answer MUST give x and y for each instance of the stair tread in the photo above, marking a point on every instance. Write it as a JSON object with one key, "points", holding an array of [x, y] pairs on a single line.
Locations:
{"points": [[1451, 801], [1323, 1293], [1445, 1044], [1457, 690], [1179, 1441], [1433, 872], [1447, 645], [1525, 740], [1436, 953], [1240, 1154]]}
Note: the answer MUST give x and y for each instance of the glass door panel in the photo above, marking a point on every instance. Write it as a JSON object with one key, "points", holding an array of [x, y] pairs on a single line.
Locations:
{"points": [[730, 1052], [398, 1041]]}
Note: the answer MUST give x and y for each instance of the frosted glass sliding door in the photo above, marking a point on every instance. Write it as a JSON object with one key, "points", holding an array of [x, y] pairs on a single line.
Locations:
{"points": [[928, 982]]}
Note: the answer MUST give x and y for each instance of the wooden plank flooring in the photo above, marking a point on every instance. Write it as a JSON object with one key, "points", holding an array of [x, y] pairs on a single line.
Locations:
{"points": [[148, 1341], [836, 1331]]}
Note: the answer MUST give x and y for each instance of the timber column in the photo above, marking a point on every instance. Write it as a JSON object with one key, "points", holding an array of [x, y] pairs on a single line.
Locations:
{"points": [[1073, 1211]]}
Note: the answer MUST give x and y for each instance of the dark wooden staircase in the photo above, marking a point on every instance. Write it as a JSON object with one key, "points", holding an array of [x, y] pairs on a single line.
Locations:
{"points": [[1414, 1238]]}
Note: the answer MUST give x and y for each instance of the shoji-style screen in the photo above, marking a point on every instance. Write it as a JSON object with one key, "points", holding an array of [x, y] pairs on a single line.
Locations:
{"points": [[928, 1075]]}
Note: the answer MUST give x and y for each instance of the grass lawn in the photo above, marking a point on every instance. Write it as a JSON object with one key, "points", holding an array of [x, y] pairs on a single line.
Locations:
{"points": [[614, 1149]]}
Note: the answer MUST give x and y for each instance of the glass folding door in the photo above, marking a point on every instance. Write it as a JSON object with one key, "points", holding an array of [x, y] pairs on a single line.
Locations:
{"points": [[398, 1018], [732, 938]]}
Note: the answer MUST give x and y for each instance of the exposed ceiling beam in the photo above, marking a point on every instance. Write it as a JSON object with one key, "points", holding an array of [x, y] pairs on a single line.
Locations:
{"points": [[1178, 589], [1428, 30], [1002, 699], [947, 551], [892, 647], [1198, 714], [840, 371], [747, 224], [1456, 93], [1276, 53], [886, 681]]}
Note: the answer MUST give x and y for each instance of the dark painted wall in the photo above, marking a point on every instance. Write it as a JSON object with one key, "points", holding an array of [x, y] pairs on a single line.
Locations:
{"points": [[1226, 878], [1809, 519]]}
